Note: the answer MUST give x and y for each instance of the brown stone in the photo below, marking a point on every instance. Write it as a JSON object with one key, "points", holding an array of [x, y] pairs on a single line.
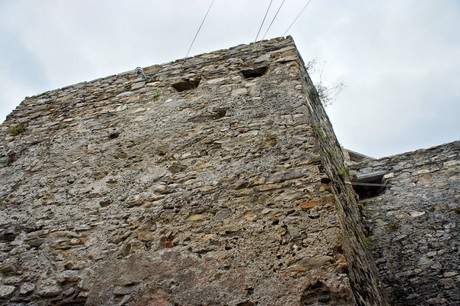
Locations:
{"points": [[316, 202], [268, 187]]}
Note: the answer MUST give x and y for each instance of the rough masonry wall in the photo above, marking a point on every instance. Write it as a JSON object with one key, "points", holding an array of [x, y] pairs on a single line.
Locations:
{"points": [[414, 225], [336, 175], [198, 183]]}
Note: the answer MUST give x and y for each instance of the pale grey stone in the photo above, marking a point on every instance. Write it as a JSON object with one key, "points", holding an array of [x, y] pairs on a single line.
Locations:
{"points": [[6, 291], [26, 288]]}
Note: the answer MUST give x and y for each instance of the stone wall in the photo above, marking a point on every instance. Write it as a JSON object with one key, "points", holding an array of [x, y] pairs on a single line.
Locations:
{"points": [[213, 180], [414, 225], [336, 175]]}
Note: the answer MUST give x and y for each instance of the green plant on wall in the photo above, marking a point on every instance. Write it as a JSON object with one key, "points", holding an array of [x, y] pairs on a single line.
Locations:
{"points": [[367, 241], [156, 93], [5, 163], [17, 129], [320, 132], [393, 226], [344, 173]]}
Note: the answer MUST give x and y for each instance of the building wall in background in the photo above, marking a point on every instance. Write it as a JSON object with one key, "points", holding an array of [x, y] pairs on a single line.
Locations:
{"points": [[414, 225]]}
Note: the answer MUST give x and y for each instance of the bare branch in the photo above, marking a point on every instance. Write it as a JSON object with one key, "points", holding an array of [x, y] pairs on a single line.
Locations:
{"points": [[327, 94]]}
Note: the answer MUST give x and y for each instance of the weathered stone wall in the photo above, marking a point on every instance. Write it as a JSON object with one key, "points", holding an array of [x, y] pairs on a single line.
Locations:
{"points": [[336, 175], [203, 182], [414, 225]]}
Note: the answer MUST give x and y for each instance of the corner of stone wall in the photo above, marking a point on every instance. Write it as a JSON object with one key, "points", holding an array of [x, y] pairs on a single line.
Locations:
{"points": [[362, 271], [162, 227]]}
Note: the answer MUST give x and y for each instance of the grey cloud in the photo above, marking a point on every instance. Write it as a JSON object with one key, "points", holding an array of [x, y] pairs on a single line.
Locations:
{"points": [[398, 59]]}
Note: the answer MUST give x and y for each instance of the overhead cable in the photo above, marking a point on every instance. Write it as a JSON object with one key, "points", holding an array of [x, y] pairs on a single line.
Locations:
{"points": [[263, 21], [193, 41], [274, 17], [308, 2]]}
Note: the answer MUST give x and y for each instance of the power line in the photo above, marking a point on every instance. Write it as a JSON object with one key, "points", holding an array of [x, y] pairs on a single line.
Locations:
{"points": [[274, 17], [303, 9], [193, 41], [263, 21]]}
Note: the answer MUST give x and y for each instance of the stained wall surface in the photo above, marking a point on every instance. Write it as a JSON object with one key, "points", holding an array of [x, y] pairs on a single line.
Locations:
{"points": [[414, 225], [213, 180]]}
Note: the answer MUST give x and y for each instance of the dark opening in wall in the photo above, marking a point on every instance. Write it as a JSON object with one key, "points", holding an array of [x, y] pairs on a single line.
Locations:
{"points": [[186, 84], [369, 185], [218, 113], [255, 72], [114, 135]]}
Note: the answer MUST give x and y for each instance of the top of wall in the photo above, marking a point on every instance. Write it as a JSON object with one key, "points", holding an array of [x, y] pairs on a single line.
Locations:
{"points": [[160, 76], [409, 160]]}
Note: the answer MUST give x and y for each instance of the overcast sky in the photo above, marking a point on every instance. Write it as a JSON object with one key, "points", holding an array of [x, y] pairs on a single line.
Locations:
{"points": [[399, 59]]}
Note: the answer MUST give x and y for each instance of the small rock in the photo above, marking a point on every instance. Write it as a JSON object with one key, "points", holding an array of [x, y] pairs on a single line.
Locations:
{"points": [[122, 290], [50, 291], [447, 282], [216, 81], [342, 265], [286, 59], [268, 187], [262, 58], [160, 188], [312, 203], [222, 214], [26, 288], [137, 85], [437, 301], [139, 110], [424, 261], [145, 236], [69, 291], [389, 176], [69, 276], [250, 217], [416, 214], [309, 263], [451, 163], [124, 94], [450, 274], [75, 241], [196, 218], [6, 291], [423, 171], [239, 91]]}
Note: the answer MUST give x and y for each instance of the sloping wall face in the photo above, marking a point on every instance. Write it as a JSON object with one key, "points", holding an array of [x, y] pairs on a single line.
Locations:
{"points": [[199, 182], [414, 225], [361, 268]]}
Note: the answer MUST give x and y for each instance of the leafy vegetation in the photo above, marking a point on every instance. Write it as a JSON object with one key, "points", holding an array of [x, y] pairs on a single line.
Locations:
{"points": [[393, 226], [5, 163], [344, 173], [156, 93], [367, 241], [17, 129], [320, 132]]}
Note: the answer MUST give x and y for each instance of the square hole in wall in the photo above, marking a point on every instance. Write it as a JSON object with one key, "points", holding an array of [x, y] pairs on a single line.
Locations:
{"points": [[254, 72], [186, 84]]}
